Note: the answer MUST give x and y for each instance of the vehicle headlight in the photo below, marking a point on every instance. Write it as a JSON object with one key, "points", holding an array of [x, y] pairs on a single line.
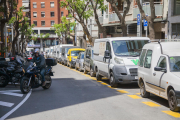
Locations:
{"points": [[118, 61]]}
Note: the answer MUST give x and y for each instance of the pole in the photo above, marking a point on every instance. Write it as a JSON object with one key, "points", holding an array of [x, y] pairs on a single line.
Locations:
{"points": [[141, 21], [5, 29], [91, 26], [12, 31]]}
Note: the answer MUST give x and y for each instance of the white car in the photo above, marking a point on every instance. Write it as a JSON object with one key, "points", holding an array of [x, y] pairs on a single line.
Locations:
{"points": [[117, 58], [159, 72]]}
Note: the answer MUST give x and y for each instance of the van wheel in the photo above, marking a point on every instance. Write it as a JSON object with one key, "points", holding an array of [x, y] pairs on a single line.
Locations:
{"points": [[112, 80], [76, 67], [92, 73], [172, 100], [98, 77], [85, 71], [143, 91]]}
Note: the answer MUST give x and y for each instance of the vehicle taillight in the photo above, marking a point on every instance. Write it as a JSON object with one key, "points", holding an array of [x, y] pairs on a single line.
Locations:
{"points": [[29, 58], [12, 58]]}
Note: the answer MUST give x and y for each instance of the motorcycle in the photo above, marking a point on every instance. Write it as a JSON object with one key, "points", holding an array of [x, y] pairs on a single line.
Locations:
{"points": [[11, 71], [32, 78]]}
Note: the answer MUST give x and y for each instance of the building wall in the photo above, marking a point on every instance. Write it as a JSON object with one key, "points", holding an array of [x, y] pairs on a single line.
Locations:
{"points": [[47, 11]]}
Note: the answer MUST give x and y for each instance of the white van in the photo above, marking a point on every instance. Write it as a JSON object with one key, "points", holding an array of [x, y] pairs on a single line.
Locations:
{"points": [[117, 58], [159, 72], [51, 52]]}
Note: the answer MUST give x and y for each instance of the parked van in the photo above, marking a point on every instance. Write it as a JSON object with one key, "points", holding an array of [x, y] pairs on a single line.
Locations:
{"points": [[159, 72], [65, 50], [89, 62], [72, 56], [51, 52], [117, 58]]}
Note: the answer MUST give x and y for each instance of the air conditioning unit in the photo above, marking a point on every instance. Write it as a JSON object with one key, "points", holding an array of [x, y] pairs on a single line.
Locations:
{"points": [[118, 29]]}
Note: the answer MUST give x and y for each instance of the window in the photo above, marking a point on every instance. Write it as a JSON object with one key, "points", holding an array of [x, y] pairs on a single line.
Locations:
{"points": [[141, 60], [34, 14], [42, 14], [147, 63], [52, 14], [108, 46], [42, 4], [52, 4], [62, 14], [35, 23], [52, 32], [52, 23], [42, 23], [176, 7], [175, 31], [34, 5], [162, 62], [82, 56]]}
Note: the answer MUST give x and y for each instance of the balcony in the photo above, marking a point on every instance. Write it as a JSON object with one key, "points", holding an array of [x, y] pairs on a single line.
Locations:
{"points": [[100, 20], [113, 17], [146, 7]]}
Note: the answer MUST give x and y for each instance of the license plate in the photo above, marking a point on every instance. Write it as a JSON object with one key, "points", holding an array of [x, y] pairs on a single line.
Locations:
{"points": [[136, 77]]}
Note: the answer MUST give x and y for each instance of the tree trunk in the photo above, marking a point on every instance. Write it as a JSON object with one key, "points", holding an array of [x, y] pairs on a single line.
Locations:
{"points": [[86, 31], [84, 41], [41, 45], [124, 29], [151, 30]]}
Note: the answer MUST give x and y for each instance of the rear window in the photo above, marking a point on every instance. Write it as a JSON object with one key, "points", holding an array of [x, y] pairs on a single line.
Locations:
{"points": [[141, 59]]}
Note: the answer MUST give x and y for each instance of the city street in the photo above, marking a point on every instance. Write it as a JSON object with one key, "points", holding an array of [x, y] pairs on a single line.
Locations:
{"points": [[75, 96]]}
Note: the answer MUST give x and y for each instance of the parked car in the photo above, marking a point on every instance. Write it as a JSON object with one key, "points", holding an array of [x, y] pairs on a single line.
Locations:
{"points": [[79, 62], [159, 72], [72, 56], [117, 58], [89, 62], [64, 52]]}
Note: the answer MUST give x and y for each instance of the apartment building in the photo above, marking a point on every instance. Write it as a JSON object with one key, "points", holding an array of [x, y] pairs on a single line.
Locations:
{"points": [[173, 20]]}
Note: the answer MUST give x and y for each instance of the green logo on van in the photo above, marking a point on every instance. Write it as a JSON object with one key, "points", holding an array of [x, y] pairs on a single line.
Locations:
{"points": [[135, 61]]}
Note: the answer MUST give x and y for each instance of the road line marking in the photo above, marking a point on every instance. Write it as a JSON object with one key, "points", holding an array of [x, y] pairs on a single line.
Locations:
{"points": [[10, 93], [6, 104], [15, 108], [99, 81], [104, 83], [151, 104], [122, 91], [104, 78], [174, 114], [138, 93], [134, 96], [111, 87]]}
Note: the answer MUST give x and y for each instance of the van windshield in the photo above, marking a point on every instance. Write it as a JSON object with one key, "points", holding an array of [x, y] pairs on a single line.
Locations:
{"points": [[66, 50], [128, 47], [175, 64], [75, 53]]}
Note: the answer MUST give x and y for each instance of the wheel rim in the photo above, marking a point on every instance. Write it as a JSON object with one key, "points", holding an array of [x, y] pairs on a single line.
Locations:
{"points": [[111, 80], [91, 72], [142, 88], [26, 88], [172, 100], [2, 80], [48, 84]]}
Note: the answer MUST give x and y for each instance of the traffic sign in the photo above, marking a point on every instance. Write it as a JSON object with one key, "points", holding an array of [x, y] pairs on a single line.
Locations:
{"points": [[138, 19], [145, 23]]}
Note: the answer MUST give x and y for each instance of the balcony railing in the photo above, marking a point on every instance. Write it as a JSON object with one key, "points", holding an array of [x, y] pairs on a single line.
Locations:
{"points": [[146, 7], [113, 16]]}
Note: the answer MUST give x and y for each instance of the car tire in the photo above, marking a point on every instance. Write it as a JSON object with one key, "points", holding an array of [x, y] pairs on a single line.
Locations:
{"points": [[98, 77], [80, 68], [92, 74], [143, 91], [112, 80], [85, 71], [3, 81], [172, 100], [70, 65], [76, 67]]}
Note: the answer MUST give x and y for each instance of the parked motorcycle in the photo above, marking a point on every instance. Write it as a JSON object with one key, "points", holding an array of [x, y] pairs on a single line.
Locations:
{"points": [[33, 79]]}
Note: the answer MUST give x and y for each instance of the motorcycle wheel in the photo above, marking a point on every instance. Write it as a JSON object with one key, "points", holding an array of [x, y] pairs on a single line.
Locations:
{"points": [[3, 81], [48, 82], [24, 86]]}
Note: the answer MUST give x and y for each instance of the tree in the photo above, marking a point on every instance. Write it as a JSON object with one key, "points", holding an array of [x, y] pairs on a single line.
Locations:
{"points": [[63, 28], [19, 21], [150, 19], [81, 10], [7, 8], [121, 17], [99, 5], [43, 37]]}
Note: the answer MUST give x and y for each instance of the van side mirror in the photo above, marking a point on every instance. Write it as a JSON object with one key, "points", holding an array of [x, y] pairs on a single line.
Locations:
{"points": [[67, 54], [107, 54], [160, 69], [63, 54], [87, 56]]}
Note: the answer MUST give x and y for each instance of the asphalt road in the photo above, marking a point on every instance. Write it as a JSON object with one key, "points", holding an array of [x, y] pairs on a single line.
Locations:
{"points": [[75, 96]]}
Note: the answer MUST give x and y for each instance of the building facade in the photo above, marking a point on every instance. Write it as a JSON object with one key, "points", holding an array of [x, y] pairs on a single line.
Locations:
{"points": [[173, 29]]}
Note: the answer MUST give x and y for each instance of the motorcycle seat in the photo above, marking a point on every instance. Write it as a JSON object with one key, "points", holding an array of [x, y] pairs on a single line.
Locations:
{"points": [[10, 69]]}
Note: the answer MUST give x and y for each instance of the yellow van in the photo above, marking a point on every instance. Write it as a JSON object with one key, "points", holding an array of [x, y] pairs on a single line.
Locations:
{"points": [[72, 56]]}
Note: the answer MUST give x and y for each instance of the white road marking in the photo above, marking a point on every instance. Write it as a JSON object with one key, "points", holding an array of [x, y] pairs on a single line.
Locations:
{"points": [[7, 104], [11, 93], [15, 108]]}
